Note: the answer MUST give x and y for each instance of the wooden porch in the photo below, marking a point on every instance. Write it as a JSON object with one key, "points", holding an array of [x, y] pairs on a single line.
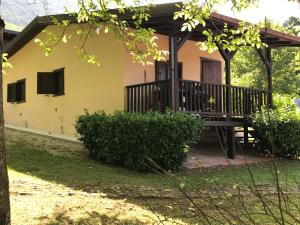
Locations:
{"points": [[207, 100], [225, 106]]}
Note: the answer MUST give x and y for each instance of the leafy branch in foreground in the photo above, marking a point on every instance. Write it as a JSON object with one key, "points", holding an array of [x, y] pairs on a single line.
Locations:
{"points": [[244, 202], [97, 17], [126, 23], [5, 63], [196, 13]]}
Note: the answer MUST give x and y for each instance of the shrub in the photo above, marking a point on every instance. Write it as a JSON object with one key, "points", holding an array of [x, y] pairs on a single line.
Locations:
{"points": [[280, 126], [132, 139]]}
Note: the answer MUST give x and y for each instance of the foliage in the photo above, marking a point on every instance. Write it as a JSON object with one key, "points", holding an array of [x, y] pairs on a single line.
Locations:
{"points": [[14, 27], [137, 140], [249, 71], [195, 13], [139, 41], [280, 126], [5, 63]]}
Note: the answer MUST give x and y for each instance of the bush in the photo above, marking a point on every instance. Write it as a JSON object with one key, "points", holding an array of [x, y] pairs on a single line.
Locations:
{"points": [[132, 139], [280, 126]]}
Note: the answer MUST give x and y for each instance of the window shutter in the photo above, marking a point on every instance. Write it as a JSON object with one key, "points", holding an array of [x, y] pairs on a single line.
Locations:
{"points": [[45, 83], [11, 92], [20, 91], [59, 82]]}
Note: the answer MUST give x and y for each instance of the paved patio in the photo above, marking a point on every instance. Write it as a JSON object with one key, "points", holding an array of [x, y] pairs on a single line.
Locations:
{"points": [[211, 155]]}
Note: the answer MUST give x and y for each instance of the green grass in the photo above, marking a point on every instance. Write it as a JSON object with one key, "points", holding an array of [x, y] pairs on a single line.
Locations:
{"points": [[50, 169], [79, 171]]}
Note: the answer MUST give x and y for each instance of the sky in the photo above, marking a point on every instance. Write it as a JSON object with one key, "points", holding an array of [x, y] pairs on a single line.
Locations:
{"points": [[277, 10]]}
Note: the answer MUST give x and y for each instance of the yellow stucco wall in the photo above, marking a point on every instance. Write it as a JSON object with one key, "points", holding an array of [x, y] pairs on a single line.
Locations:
{"points": [[86, 86], [189, 55]]}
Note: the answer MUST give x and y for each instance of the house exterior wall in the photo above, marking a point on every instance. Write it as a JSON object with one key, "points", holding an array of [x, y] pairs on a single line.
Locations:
{"points": [[86, 86], [189, 55]]}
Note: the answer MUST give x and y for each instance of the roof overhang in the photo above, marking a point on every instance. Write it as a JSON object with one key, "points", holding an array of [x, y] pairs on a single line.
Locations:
{"points": [[162, 21], [9, 34]]}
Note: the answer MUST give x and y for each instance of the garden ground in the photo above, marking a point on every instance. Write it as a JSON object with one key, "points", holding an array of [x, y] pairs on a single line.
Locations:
{"points": [[53, 182]]}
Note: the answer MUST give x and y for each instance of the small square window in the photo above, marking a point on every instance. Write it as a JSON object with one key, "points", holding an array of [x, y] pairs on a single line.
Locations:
{"points": [[16, 92], [51, 82]]}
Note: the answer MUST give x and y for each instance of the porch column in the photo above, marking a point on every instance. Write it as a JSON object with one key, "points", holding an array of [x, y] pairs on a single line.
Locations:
{"points": [[230, 133], [173, 60], [266, 56], [228, 89]]}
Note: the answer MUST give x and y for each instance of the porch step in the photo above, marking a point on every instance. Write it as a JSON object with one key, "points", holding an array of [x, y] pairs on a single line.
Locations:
{"points": [[239, 135]]}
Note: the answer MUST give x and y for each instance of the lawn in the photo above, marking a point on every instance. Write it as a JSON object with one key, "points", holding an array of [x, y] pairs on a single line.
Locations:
{"points": [[54, 182]]}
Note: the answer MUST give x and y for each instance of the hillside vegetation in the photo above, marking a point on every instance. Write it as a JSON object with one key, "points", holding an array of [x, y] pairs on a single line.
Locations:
{"points": [[18, 13]]}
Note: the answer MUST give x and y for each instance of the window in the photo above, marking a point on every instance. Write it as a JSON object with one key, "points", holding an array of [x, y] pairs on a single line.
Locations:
{"points": [[162, 70], [16, 92], [11, 92], [51, 82]]}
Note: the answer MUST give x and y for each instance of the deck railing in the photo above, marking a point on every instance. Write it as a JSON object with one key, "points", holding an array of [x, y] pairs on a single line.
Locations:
{"points": [[196, 97], [154, 96], [211, 99]]}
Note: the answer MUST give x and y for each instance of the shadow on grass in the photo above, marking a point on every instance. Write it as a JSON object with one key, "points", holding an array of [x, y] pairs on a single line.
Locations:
{"points": [[61, 217], [75, 172], [26, 155], [89, 176], [83, 174]]}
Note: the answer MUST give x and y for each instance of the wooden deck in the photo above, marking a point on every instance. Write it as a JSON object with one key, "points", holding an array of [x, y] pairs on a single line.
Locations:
{"points": [[204, 99]]}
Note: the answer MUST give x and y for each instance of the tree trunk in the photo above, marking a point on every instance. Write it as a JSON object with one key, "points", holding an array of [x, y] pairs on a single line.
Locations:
{"points": [[4, 184]]}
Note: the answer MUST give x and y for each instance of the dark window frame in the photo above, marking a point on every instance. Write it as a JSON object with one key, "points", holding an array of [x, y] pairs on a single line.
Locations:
{"points": [[56, 82], [18, 91]]}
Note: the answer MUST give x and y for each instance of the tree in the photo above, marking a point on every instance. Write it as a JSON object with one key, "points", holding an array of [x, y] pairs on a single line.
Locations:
{"points": [[249, 71], [4, 184]]}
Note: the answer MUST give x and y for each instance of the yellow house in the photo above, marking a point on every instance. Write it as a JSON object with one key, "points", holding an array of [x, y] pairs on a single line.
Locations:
{"points": [[46, 94]]}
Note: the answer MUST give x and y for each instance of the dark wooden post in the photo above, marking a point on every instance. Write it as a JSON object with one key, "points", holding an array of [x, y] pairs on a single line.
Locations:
{"points": [[269, 75], [173, 59], [230, 133], [173, 54], [266, 56], [4, 184], [228, 82], [175, 45]]}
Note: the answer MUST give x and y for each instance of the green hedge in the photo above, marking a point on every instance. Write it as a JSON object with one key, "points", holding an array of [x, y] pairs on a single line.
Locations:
{"points": [[133, 140], [279, 126]]}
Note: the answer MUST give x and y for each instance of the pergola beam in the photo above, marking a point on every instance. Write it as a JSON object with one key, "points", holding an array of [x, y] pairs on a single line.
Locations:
{"points": [[181, 42]]}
